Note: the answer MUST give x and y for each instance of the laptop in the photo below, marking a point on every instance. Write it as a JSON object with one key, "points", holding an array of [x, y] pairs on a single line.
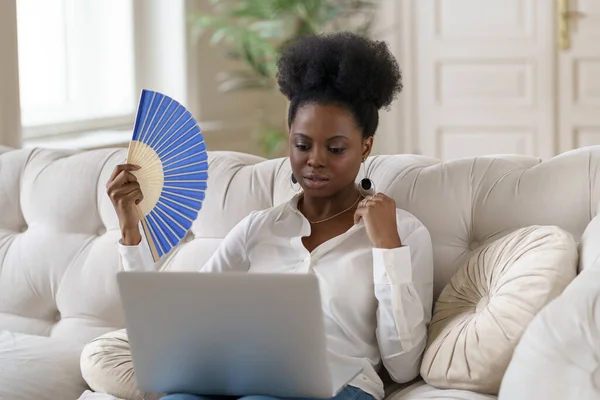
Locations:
{"points": [[229, 334]]}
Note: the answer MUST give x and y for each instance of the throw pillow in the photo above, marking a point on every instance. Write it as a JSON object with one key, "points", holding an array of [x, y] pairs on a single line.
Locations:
{"points": [[107, 367], [485, 308]]}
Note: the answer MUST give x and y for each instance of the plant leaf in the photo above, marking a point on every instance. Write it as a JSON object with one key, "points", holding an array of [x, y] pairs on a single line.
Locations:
{"points": [[236, 80], [272, 140], [240, 84]]}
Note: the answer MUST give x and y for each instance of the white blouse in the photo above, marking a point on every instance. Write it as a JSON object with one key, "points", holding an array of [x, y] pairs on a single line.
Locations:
{"points": [[376, 302]]}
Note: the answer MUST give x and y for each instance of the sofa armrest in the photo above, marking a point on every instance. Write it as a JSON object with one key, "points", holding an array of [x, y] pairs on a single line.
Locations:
{"points": [[589, 246], [557, 356]]}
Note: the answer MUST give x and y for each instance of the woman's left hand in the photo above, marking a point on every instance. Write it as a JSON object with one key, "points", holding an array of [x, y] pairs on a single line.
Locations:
{"points": [[379, 215]]}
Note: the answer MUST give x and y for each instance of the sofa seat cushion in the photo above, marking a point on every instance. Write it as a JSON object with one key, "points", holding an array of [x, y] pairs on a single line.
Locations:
{"points": [[558, 356], [421, 391], [89, 395], [38, 367], [487, 305]]}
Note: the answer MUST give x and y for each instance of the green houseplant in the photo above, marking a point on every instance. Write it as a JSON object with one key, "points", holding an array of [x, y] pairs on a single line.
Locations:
{"points": [[253, 33]]}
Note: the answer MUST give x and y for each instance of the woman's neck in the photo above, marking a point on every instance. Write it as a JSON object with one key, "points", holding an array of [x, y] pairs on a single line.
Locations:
{"points": [[317, 208]]}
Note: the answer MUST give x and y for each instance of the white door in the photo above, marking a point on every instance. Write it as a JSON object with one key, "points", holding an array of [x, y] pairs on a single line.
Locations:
{"points": [[579, 75], [485, 74]]}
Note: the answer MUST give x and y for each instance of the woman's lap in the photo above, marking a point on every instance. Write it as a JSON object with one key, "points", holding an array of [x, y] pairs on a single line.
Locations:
{"points": [[349, 393]]}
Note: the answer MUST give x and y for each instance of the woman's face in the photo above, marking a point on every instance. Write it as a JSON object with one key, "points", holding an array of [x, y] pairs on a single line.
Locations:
{"points": [[326, 149]]}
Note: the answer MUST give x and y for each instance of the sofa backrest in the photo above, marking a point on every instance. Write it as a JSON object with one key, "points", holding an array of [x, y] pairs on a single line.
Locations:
{"points": [[58, 230]]}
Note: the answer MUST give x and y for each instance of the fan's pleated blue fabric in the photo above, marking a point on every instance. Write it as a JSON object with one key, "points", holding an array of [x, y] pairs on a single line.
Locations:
{"points": [[170, 130]]}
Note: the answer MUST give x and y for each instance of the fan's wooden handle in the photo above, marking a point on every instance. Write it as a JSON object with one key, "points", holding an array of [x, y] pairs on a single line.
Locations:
{"points": [[149, 240]]}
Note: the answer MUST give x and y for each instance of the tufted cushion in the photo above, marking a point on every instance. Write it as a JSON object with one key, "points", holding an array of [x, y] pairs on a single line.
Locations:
{"points": [[483, 311], [561, 346], [57, 244]]}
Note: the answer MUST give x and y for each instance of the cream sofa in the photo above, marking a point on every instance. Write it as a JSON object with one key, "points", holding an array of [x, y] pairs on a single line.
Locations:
{"points": [[58, 259]]}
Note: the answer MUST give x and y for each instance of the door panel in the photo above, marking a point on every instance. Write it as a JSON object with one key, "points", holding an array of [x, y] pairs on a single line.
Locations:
{"points": [[485, 83], [579, 77]]}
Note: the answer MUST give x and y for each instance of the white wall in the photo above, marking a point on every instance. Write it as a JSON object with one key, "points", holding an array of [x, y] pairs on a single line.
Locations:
{"points": [[392, 27], [10, 115]]}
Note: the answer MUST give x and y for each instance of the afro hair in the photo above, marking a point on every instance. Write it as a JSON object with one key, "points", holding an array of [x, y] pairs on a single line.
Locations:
{"points": [[344, 69]]}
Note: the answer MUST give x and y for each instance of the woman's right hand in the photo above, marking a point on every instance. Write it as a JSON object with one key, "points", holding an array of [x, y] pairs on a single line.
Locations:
{"points": [[125, 193]]}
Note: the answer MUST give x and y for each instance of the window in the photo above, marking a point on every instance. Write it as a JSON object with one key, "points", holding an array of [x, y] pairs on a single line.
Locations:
{"points": [[76, 64]]}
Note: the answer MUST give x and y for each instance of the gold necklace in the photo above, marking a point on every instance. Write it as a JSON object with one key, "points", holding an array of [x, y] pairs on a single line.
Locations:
{"points": [[336, 215]]}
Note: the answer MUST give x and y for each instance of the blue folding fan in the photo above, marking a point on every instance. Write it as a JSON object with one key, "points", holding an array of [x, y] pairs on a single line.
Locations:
{"points": [[168, 145]]}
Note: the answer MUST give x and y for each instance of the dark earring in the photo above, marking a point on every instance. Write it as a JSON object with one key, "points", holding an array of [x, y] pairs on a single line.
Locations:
{"points": [[366, 184], [294, 184]]}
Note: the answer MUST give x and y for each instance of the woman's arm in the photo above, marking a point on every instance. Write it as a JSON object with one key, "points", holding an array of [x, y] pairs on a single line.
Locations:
{"points": [[403, 280], [135, 257], [229, 256]]}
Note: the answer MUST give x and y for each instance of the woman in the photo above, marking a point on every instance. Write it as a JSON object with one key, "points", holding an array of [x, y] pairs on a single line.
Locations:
{"points": [[373, 261]]}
